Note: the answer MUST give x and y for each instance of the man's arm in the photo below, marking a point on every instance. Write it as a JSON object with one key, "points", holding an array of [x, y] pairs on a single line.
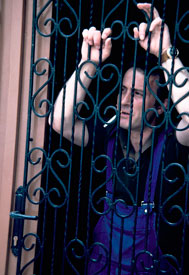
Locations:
{"points": [[93, 38], [182, 75], [177, 93]]}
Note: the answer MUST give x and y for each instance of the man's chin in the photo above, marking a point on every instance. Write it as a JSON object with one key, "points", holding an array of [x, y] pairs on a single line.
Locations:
{"points": [[124, 124]]}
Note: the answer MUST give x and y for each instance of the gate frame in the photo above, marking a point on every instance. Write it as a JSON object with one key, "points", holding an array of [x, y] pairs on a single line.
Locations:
{"points": [[15, 52]]}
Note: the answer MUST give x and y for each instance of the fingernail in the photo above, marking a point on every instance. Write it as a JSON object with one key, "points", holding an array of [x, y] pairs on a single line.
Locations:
{"points": [[142, 36]]}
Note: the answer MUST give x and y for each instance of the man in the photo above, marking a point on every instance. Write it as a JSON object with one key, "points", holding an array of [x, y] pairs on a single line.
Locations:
{"points": [[125, 238]]}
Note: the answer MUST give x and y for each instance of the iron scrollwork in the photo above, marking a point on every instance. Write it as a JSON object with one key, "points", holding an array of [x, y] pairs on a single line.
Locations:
{"points": [[55, 178]]}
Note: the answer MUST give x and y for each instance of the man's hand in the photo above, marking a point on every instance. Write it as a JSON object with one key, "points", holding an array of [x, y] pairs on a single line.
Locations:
{"points": [[155, 29], [94, 38]]}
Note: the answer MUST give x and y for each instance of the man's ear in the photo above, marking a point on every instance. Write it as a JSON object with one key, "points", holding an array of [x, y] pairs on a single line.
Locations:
{"points": [[160, 108]]}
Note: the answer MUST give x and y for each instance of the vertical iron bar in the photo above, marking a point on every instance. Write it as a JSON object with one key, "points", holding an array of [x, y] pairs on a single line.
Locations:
{"points": [[72, 140], [121, 246], [162, 165], [171, 83], [90, 179], [185, 220], [50, 132], [83, 135], [49, 147], [54, 241]]}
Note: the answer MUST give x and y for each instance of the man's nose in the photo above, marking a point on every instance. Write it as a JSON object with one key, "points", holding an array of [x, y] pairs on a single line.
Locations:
{"points": [[126, 97]]}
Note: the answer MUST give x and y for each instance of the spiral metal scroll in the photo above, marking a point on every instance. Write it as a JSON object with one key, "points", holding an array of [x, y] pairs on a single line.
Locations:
{"points": [[76, 245], [185, 29], [97, 257], [35, 245], [87, 92], [113, 74], [57, 26], [39, 91], [173, 208], [47, 194], [147, 262], [37, 176], [156, 98], [102, 199]]}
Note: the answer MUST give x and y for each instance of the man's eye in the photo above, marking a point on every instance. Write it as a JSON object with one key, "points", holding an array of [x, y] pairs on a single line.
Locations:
{"points": [[123, 90], [139, 93]]}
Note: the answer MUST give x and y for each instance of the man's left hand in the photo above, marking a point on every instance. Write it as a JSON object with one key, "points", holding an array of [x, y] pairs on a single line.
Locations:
{"points": [[155, 29]]}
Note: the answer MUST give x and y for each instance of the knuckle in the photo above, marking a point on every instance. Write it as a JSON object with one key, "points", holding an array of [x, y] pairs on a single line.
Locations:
{"points": [[92, 28], [143, 24], [107, 30], [85, 32], [97, 32]]}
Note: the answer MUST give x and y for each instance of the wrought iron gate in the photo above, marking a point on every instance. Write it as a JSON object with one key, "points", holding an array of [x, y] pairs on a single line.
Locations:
{"points": [[69, 187]]}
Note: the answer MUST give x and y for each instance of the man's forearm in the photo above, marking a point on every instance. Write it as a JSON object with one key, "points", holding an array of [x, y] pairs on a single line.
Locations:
{"points": [[73, 88], [179, 92]]}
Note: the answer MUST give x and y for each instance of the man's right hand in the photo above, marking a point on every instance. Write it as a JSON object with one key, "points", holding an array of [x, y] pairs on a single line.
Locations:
{"points": [[93, 37]]}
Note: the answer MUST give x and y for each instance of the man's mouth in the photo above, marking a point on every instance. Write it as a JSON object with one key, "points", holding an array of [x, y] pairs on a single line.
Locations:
{"points": [[124, 113]]}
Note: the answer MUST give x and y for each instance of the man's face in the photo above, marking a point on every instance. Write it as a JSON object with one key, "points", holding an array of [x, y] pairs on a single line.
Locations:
{"points": [[137, 100]]}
